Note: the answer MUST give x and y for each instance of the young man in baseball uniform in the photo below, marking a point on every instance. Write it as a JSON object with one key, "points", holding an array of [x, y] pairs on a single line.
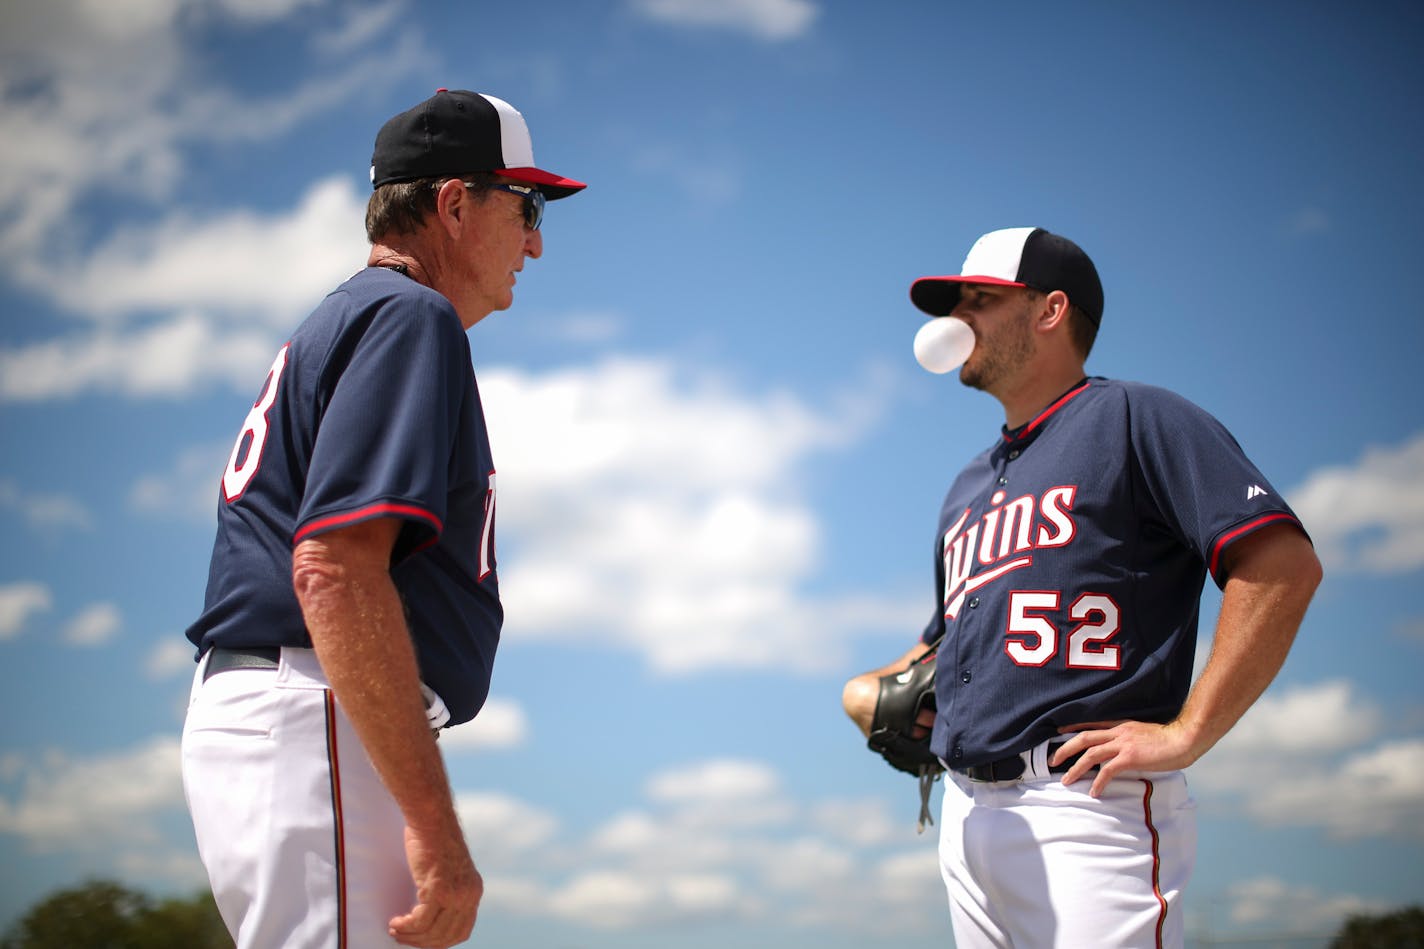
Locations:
{"points": [[352, 605], [1069, 561]]}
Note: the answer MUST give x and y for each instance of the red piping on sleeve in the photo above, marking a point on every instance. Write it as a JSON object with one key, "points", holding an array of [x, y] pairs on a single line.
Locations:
{"points": [[365, 513], [1244, 528]]}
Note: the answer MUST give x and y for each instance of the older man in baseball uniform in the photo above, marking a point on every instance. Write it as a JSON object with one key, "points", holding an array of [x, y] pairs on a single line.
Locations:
{"points": [[352, 605]]}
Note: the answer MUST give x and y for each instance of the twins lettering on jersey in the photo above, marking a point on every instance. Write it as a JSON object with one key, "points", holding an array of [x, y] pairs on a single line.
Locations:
{"points": [[1003, 541]]}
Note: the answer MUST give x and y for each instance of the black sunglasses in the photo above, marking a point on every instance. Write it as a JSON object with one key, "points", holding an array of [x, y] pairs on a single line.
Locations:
{"points": [[533, 202]]}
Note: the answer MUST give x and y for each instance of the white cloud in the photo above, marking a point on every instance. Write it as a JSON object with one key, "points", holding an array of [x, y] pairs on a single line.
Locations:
{"points": [[1384, 785], [58, 807], [379, 22], [667, 515], [107, 97], [189, 490], [586, 328], [165, 359], [1369, 516], [714, 781], [863, 823], [693, 851], [229, 286], [764, 19], [620, 899], [44, 512], [172, 656], [1297, 753], [20, 601], [94, 626], [1270, 900], [1323, 718], [498, 826], [502, 723], [273, 268], [260, 10]]}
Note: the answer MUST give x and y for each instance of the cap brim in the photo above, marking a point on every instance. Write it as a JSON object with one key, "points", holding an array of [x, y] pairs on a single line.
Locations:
{"points": [[938, 296], [553, 186]]}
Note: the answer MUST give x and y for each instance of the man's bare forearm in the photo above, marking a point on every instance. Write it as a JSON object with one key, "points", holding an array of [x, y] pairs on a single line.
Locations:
{"points": [[357, 625]]}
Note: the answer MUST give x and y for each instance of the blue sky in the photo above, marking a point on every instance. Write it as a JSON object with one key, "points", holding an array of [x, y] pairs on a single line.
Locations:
{"points": [[719, 463]]}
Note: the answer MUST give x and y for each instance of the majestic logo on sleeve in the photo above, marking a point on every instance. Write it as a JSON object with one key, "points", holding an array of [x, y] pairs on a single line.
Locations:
{"points": [[1003, 540]]}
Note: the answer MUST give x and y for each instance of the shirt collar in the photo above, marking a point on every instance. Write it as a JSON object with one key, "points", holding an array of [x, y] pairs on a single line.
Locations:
{"points": [[1026, 432]]}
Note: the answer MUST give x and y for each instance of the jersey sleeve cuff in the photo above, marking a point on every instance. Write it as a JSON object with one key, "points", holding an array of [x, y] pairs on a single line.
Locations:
{"points": [[428, 524], [1242, 530]]}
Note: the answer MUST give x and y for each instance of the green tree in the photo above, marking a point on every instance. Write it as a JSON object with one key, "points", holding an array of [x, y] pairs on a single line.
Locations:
{"points": [[1402, 929], [101, 914]]}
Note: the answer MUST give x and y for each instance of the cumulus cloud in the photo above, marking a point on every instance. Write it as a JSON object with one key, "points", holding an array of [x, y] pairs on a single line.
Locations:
{"points": [[500, 827], [764, 19], [42, 511], [1269, 900], [57, 807], [665, 514], [502, 723], [169, 358], [170, 657], [94, 626], [1326, 717], [1369, 516], [107, 97], [1296, 754], [688, 853], [20, 601], [273, 267], [227, 287], [187, 491]]}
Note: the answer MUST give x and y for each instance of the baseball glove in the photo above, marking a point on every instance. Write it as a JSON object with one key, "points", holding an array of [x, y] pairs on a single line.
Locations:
{"points": [[902, 696]]}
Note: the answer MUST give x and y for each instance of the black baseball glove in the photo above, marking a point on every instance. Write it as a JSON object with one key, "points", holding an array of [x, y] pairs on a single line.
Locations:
{"points": [[902, 696]]}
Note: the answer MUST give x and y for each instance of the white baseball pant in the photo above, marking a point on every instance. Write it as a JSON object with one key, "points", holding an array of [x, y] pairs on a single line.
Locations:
{"points": [[303, 845], [1034, 863]]}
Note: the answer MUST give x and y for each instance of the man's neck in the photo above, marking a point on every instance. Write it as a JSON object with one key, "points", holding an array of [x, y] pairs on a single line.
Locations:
{"points": [[1036, 391]]}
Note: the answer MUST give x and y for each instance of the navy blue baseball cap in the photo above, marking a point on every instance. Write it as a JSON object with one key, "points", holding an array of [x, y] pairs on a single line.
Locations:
{"points": [[1018, 257], [456, 132]]}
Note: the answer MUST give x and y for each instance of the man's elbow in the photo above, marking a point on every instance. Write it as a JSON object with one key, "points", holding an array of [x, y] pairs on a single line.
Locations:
{"points": [[314, 571], [859, 698]]}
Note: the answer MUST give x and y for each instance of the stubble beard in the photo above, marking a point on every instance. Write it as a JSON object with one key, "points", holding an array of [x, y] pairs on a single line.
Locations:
{"points": [[996, 358]]}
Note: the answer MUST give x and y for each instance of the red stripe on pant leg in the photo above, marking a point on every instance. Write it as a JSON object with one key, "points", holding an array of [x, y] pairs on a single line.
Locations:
{"points": [[1156, 860], [339, 834]]}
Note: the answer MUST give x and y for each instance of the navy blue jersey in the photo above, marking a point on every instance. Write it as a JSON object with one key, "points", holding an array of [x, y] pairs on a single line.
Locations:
{"points": [[1069, 563], [370, 410]]}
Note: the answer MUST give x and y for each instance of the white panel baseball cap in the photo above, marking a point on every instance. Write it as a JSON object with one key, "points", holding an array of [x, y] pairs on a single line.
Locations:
{"points": [[1018, 257], [456, 132]]}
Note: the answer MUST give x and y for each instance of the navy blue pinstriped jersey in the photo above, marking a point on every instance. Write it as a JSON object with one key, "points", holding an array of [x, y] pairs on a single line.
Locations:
{"points": [[370, 410], [1069, 562]]}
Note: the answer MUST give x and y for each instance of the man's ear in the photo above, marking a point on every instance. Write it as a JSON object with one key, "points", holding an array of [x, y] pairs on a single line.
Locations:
{"points": [[452, 204], [1055, 311]]}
